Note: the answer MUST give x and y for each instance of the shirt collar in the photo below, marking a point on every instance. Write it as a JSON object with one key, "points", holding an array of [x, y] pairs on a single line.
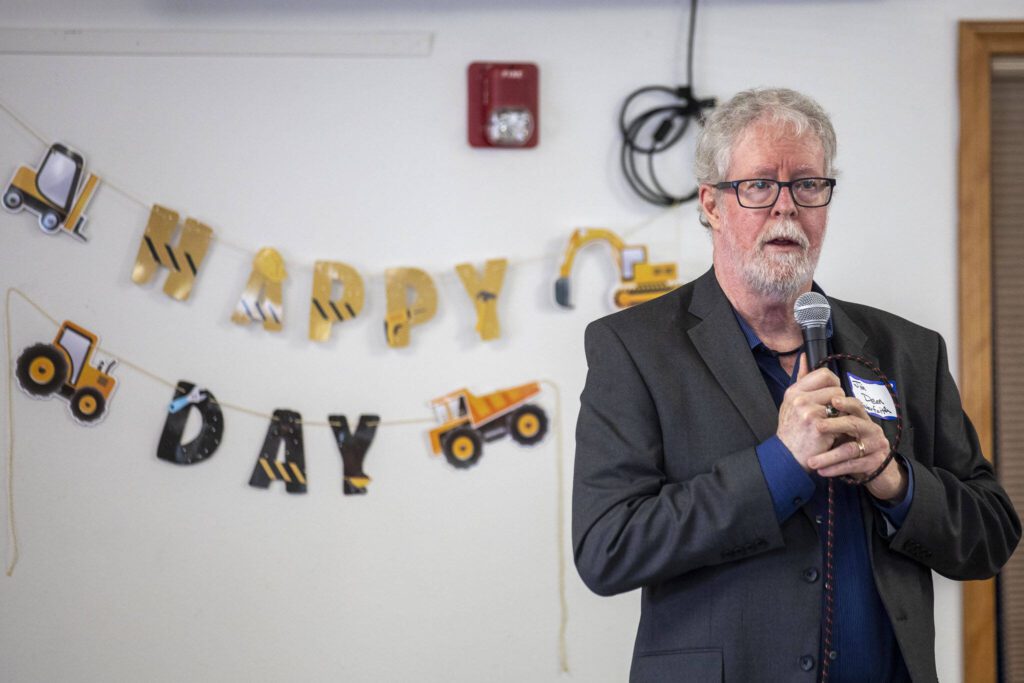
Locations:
{"points": [[751, 336]]}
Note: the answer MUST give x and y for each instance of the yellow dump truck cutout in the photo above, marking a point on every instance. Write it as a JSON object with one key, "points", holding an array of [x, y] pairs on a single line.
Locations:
{"points": [[467, 421]]}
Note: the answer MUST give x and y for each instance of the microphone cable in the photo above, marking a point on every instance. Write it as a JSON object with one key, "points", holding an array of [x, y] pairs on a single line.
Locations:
{"points": [[669, 122]]}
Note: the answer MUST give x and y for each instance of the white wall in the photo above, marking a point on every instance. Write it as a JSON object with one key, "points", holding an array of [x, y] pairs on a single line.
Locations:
{"points": [[134, 569]]}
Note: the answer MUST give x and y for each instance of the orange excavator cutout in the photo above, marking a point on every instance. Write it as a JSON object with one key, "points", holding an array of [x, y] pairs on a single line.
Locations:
{"points": [[467, 421], [640, 281], [50, 192], [63, 367]]}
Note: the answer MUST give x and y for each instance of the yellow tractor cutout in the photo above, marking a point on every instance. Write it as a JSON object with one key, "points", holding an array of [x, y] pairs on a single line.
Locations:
{"points": [[467, 421], [50, 192], [64, 367], [640, 281]]}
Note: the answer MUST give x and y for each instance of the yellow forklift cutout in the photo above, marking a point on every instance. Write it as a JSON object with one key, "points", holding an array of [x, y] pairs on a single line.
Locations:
{"points": [[468, 420], [63, 367], [50, 192]]}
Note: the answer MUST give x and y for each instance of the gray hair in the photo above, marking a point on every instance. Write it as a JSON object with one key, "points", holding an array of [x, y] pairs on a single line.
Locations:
{"points": [[778, 107]]}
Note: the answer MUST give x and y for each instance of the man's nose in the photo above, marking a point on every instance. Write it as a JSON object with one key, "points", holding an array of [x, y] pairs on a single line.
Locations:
{"points": [[784, 205]]}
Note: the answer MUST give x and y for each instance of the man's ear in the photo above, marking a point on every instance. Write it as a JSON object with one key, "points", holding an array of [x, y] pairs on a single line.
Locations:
{"points": [[708, 198]]}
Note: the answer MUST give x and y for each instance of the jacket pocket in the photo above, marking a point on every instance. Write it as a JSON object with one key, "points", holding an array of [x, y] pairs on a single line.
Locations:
{"points": [[702, 665]]}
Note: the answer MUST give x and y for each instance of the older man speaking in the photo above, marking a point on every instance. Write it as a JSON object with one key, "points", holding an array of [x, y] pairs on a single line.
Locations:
{"points": [[753, 499]]}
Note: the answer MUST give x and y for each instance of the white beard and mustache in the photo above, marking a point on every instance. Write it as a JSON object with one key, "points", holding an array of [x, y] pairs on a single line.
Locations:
{"points": [[781, 276]]}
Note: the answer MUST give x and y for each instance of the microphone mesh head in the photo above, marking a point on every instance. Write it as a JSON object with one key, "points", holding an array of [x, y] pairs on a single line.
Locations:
{"points": [[812, 309]]}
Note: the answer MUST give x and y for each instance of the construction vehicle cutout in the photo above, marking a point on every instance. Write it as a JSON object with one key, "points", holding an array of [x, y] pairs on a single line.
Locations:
{"points": [[467, 421], [64, 368], [50, 192], [640, 281]]}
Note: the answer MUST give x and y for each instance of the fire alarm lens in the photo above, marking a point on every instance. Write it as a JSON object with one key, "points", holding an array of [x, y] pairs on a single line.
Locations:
{"points": [[510, 127]]}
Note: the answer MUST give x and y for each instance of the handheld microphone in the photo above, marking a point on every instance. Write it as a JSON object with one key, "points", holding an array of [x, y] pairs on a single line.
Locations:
{"points": [[812, 313]]}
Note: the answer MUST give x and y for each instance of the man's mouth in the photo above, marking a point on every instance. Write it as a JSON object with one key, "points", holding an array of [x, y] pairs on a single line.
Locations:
{"points": [[785, 237]]}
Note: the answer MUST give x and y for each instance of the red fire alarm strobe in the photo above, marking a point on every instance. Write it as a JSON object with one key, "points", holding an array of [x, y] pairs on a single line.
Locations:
{"points": [[503, 105]]}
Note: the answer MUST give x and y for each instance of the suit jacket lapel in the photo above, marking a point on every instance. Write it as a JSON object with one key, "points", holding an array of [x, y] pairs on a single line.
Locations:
{"points": [[721, 344], [847, 337]]}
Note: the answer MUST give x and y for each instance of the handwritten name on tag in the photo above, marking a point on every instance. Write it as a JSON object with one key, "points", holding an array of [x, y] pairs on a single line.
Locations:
{"points": [[873, 396]]}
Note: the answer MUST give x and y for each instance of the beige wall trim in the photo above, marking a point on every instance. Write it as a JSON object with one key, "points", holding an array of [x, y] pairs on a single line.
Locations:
{"points": [[980, 41]]}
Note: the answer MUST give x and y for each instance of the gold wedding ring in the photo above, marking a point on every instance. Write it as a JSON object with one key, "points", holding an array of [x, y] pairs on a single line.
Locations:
{"points": [[860, 445]]}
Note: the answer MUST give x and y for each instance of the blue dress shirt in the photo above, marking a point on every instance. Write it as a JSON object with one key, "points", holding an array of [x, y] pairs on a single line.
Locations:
{"points": [[865, 648]]}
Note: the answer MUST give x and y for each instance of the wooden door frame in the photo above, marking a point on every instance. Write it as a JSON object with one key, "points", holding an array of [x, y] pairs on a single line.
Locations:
{"points": [[979, 42]]}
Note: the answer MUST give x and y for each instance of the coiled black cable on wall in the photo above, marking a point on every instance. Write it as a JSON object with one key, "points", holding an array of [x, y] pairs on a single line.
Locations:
{"points": [[669, 124]]}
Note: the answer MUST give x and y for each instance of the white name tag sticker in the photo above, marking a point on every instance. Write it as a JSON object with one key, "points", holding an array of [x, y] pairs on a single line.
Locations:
{"points": [[873, 396]]}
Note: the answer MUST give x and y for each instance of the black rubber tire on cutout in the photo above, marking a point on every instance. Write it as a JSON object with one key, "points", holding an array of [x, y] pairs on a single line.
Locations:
{"points": [[13, 199], [525, 412], [49, 221], [24, 364], [80, 396], [448, 444]]}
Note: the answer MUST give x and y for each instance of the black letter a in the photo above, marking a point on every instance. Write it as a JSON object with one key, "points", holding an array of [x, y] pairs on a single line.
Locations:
{"points": [[286, 426]]}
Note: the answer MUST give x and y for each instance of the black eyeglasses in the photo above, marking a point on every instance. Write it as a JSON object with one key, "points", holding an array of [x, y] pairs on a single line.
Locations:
{"points": [[761, 193]]}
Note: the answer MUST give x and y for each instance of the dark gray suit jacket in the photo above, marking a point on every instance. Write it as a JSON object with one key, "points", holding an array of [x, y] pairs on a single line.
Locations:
{"points": [[668, 494]]}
